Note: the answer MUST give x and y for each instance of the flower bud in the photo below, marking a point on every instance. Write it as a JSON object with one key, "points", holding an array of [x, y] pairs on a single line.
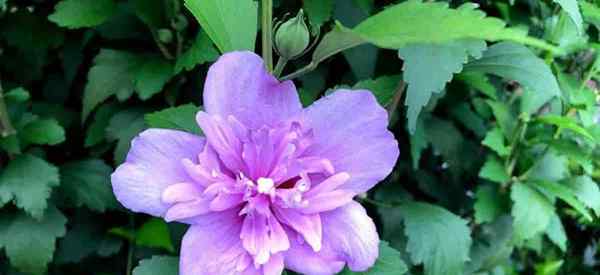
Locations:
{"points": [[165, 36], [292, 37]]}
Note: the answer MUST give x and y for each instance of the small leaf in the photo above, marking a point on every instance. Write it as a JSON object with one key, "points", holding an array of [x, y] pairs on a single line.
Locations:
{"points": [[550, 167], [488, 204], [151, 76], [318, 11], [572, 9], [566, 194], [158, 265], [75, 14], [154, 233], [95, 134], [495, 141], [427, 228], [424, 75], [28, 180], [556, 233], [123, 127], [43, 131], [480, 82], [201, 51], [567, 123], [493, 170], [516, 62], [230, 24], [382, 87], [587, 191], [532, 211], [179, 118], [30, 243], [87, 182], [389, 262]]}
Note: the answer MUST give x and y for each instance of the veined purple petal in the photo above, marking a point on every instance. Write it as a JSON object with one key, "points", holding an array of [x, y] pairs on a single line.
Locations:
{"points": [[154, 163], [303, 259], [214, 248], [307, 225], [327, 201], [350, 129], [352, 235], [238, 84]]}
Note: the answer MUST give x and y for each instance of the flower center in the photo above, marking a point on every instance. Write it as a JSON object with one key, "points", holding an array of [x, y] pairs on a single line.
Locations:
{"points": [[265, 186]]}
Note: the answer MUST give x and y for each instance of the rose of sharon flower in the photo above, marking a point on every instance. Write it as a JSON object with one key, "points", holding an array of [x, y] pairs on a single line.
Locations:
{"points": [[271, 184]]}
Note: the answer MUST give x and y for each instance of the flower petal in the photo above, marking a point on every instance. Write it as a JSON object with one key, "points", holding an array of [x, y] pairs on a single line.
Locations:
{"points": [[301, 258], [307, 225], [153, 164], [238, 84], [352, 234], [214, 247], [350, 129]]}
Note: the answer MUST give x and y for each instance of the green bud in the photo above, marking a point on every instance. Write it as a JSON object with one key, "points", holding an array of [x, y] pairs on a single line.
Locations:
{"points": [[180, 22], [165, 36], [292, 37]]}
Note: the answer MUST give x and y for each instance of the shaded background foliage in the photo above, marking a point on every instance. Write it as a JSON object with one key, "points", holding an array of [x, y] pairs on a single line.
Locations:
{"points": [[498, 165]]}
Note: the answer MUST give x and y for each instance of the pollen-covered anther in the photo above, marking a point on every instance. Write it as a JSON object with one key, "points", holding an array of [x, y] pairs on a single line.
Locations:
{"points": [[265, 186]]}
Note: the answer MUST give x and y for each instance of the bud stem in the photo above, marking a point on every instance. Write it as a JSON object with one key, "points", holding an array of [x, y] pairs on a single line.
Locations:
{"points": [[281, 62], [6, 128], [267, 33]]}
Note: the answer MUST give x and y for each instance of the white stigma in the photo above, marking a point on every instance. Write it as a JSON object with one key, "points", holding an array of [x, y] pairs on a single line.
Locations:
{"points": [[265, 185]]}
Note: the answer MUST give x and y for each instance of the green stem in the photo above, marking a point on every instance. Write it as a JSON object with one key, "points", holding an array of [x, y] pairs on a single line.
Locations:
{"points": [[280, 65], [131, 247], [6, 128], [267, 33]]}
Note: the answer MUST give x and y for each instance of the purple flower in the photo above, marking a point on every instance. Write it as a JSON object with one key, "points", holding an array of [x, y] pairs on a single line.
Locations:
{"points": [[271, 184]]}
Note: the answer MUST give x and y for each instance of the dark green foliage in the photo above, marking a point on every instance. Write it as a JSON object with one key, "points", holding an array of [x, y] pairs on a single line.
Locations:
{"points": [[494, 104]]}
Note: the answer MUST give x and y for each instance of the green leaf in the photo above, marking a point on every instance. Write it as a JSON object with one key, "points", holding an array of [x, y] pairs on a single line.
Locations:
{"points": [[75, 14], [201, 51], [121, 73], [87, 183], [587, 191], [532, 211], [428, 228], [151, 12], [111, 74], [96, 133], [566, 123], [566, 194], [480, 82], [180, 118], [154, 233], [230, 24], [425, 76], [418, 142], [488, 204], [17, 95], [30, 243], [516, 62], [85, 238], [28, 181], [318, 11], [493, 170], [495, 141], [158, 265], [550, 167], [548, 267], [151, 76], [468, 118], [504, 118], [382, 87], [433, 22], [591, 13], [389, 262], [43, 131], [572, 9], [123, 127], [556, 233], [493, 247]]}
